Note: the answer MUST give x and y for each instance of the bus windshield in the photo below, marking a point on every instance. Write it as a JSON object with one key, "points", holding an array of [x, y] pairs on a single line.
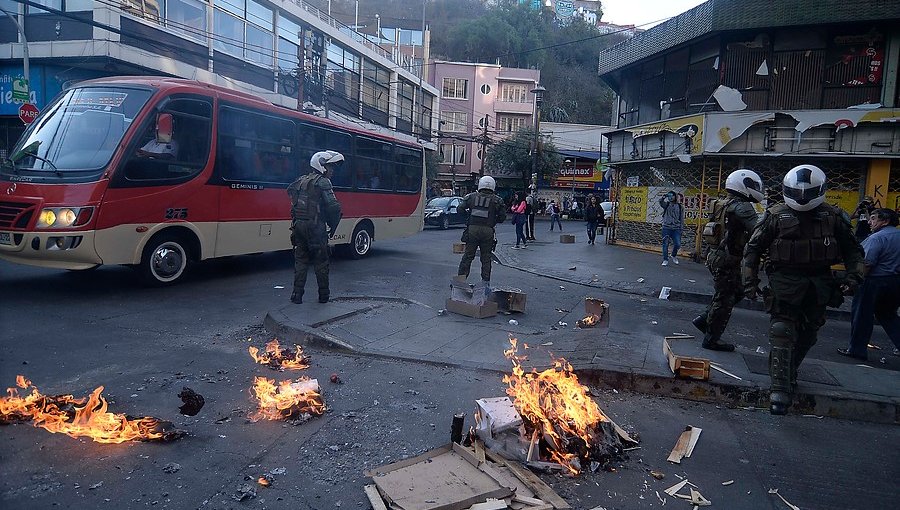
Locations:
{"points": [[78, 132]]}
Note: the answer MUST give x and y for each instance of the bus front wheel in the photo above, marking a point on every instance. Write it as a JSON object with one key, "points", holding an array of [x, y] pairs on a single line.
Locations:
{"points": [[361, 241], [164, 261]]}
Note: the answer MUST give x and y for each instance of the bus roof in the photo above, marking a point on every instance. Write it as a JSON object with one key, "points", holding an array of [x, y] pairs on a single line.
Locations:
{"points": [[166, 83]]}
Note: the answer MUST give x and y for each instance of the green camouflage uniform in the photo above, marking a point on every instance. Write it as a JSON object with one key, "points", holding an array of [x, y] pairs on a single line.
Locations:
{"points": [[485, 210], [724, 262], [313, 206], [801, 248]]}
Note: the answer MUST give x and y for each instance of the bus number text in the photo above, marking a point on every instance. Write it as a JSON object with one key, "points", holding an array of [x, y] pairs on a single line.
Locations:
{"points": [[177, 213]]}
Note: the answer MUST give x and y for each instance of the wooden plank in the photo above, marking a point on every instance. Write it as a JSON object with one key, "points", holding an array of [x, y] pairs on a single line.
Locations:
{"points": [[479, 452], [540, 489], [374, 497], [680, 447], [491, 504], [505, 478], [695, 436], [529, 501]]}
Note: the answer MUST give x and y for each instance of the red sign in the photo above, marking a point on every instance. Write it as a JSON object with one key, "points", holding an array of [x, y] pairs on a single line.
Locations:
{"points": [[28, 112]]}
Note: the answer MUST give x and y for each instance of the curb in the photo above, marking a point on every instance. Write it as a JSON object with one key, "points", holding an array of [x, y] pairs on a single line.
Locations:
{"points": [[819, 403], [704, 299]]}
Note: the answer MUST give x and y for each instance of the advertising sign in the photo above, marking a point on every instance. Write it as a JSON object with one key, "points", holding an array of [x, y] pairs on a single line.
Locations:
{"points": [[633, 204]]}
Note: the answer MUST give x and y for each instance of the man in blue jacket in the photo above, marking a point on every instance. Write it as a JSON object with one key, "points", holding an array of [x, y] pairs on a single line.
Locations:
{"points": [[672, 225]]}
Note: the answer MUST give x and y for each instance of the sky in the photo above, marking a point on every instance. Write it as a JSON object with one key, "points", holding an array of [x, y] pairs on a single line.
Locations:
{"points": [[638, 12]]}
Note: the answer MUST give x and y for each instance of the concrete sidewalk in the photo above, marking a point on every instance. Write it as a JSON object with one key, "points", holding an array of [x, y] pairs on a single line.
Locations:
{"points": [[626, 353]]}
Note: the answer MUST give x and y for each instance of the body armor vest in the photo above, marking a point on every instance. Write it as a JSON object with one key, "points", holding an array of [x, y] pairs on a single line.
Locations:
{"points": [[305, 198], [483, 211], [804, 240]]}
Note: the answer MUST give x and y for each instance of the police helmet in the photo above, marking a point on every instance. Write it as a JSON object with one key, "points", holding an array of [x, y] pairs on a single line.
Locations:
{"points": [[804, 187], [745, 183], [487, 182], [320, 159]]}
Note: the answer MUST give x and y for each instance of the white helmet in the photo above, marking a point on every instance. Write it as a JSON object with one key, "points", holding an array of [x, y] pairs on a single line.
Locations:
{"points": [[746, 183], [320, 159], [804, 187], [487, 182]]}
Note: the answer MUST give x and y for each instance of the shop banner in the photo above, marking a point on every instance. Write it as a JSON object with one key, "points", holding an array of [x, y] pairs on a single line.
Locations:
{"points": [[633, 204]]}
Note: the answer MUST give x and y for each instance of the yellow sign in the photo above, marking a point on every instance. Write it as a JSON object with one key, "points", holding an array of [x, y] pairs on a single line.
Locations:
{"points": [[633, 204], [846, 200], [893, 200], [690, 128]]}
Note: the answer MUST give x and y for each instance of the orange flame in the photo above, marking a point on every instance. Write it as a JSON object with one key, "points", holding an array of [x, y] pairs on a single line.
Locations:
{"points": [[75, 417], [554, 402], [280, 359], [287, 399], [588, 322]]}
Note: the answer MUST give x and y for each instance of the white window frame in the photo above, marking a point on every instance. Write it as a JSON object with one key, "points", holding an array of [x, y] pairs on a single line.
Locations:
{"points": [[450, 88], [455, 122], [513, 93], [510, 123]]}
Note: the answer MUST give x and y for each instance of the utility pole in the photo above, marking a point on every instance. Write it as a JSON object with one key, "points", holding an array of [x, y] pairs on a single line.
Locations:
{"points": [[25, 68], [484, 142], [538, 92]]}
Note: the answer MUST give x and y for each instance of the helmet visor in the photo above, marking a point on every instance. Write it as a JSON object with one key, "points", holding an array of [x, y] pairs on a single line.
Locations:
{"points": [[335, 166], [753, 184], [804, 196]]}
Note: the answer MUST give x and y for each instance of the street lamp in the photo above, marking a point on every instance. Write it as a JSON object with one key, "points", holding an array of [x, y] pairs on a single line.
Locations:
{"points": [[378, 28], [538, 92]]}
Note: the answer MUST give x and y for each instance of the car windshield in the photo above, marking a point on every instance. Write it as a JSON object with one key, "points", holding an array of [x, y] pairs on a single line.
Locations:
{"points": [[438, 203], [79, 131]]}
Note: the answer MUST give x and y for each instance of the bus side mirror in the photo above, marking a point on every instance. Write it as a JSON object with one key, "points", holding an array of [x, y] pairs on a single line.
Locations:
{"points": [[164, 127]]}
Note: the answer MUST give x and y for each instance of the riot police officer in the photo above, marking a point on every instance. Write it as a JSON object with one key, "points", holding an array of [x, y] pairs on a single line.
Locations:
{"points": [[313, 208], [730, 225], [485, 210], [802, 238]]}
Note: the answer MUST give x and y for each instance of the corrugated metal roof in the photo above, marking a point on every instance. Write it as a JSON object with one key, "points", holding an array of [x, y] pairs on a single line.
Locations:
{"points": [[723, 15]]}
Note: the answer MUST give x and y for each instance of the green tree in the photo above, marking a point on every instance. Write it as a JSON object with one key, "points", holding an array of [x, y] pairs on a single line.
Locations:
{"points": [[513, 157]]}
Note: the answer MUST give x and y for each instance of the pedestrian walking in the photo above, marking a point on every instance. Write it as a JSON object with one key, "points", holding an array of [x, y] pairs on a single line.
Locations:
{"points": [[731, 223], [530, 212], [672, 225], [879, 294], [485, 210], [802, 238], [553, 210], [315, 214], [592, 214], [520, 218]]}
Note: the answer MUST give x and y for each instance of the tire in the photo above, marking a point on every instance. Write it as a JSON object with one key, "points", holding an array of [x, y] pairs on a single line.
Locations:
{"points": [[165, 260], [445, 222], [361, 241]]}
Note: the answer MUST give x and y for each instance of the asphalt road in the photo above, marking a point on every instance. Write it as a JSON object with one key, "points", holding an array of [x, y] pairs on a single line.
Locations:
{"points": [[72, 332]]}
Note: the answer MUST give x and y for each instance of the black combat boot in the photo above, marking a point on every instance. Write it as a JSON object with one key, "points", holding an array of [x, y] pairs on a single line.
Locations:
{"points": [[296, 298], [323, 298], [714, 343], [700, 323], [779, 402]]}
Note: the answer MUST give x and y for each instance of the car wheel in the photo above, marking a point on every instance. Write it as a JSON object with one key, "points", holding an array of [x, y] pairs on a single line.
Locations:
{"points": [[164, 261], [361, 241], [445, 222]]}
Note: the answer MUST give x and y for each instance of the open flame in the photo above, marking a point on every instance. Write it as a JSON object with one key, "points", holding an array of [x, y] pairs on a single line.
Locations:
{"points": [[555, 405], [588, 322], [280, 359], [287, 400], [76, 417]]}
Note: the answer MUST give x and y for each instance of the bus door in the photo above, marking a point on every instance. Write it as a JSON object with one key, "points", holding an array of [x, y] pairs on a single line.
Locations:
{"points": [[161, 181], [256, 160]]}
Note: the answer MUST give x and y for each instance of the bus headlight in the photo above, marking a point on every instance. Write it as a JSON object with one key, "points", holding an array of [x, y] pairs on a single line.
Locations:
{"points": [[64, 217]]}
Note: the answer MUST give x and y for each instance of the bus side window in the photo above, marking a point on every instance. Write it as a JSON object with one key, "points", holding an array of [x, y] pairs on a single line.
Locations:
{"points": [[409, 167], [255, 147], [182, 151]]}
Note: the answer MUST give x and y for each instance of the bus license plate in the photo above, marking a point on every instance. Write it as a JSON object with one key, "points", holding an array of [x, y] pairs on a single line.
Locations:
{"points": [[5, 238]]}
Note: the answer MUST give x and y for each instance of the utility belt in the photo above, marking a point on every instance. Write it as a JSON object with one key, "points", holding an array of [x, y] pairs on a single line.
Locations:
{"points": [[799, 270]]}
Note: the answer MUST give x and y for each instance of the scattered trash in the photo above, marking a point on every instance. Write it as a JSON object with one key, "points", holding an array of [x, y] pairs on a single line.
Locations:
{"points": [[442, 312], [562, 288], [760, 350], [245, 491], [640, 280], [193, 401], [654, 322], [573, 268], [717, 368], [95, 486], [265, 480], [693, 281], [775, 492], [278, 358], [279, 286], [408, 272], [547, 344], [729, 482], [664, 292], [685, 366], [620, 268], [659, 475], [883, 360], [513, 322], [873, 346], [278, 471], [684, 447], [563, 324], [336, 379], [588, 322], [562, 310], [172, 467], [697, 499]]}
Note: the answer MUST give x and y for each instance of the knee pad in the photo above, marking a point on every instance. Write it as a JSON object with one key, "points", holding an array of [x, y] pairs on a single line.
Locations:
{"points": [[781, 329]]}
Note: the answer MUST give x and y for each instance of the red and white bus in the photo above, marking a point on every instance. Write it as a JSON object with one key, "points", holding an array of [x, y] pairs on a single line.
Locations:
{"points": [[157, 173]]}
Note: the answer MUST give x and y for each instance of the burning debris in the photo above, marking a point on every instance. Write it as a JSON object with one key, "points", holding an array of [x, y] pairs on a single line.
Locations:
{"points": [[288, 400], [588, 322], [280, 359], [80, 417], [563, 423]]}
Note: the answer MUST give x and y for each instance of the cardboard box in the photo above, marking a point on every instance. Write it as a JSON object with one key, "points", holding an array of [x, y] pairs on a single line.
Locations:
{"points": [[595, 306], [459, 247], [567, 238], [488, 309], [509, 300]]}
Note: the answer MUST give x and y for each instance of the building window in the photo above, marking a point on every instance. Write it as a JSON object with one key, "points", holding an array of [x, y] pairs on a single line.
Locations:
{"points": [[343, 72], [485, 89], [454, 122], [229, 33], [510, 124], [513, 93], [53, 4], [187, 17], [375, 91], [288, 55], [455, 88]]}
